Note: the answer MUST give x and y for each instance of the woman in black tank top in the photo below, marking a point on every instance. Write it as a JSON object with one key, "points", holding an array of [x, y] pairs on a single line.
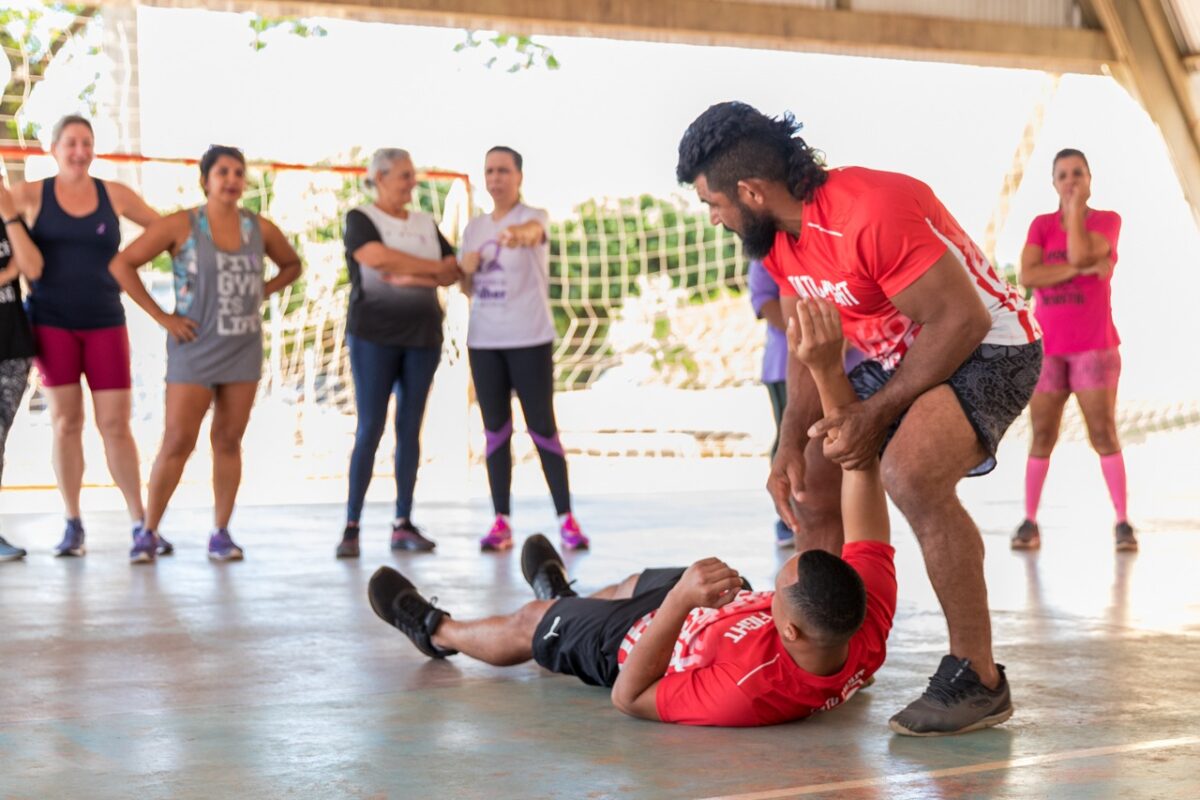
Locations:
{"points": [[78, 321], [19, 258]]}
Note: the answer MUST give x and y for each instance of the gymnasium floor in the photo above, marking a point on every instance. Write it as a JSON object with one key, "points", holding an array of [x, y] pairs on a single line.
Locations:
{"points": [[272, 678]]}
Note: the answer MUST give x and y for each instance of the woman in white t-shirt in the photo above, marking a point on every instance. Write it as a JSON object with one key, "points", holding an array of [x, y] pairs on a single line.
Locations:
{"points": [[510, 342], [396, 258]]}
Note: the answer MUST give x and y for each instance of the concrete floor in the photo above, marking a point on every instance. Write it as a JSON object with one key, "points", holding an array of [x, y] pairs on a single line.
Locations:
{"points": [[272, 678]]}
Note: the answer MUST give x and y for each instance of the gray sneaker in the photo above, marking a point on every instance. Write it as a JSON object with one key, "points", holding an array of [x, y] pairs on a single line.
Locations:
{"points": [[1027, 537], [10, 552], [955, 702], [1126, 541]]}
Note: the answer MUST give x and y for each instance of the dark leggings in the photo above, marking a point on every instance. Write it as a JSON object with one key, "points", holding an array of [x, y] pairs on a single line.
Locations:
{"points": [[14, 375], [378, 371], [530, 372]]}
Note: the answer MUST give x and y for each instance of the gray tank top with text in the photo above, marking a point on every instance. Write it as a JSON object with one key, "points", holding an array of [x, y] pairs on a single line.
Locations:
{"points": [[223, 292]]}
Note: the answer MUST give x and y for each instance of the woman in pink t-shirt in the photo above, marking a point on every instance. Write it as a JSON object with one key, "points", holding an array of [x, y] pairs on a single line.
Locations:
{"points": [[1068, 262]]}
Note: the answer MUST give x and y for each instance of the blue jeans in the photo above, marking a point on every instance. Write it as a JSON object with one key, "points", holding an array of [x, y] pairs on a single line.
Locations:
{"points": [[379, 370]]}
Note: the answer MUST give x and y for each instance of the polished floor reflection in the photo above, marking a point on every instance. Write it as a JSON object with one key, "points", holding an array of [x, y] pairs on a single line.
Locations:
{"points": [[271, 678]]}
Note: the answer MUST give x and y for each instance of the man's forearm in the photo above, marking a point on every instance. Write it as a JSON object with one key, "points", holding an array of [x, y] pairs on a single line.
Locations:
{"points": [[938, 351], [803, 404], [651, 655], [834, 389]]}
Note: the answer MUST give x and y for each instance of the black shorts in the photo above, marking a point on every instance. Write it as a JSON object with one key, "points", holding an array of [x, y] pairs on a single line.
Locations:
{"points": [[581, 636], [993, 386]]}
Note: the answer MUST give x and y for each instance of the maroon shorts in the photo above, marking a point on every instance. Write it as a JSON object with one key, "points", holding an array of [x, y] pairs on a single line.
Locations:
{"points": [[1078, 372], [100, 354]]}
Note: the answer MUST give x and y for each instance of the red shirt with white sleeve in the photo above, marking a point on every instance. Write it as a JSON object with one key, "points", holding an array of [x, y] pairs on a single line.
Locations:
{"points": [[868, 235], [730, 667]]}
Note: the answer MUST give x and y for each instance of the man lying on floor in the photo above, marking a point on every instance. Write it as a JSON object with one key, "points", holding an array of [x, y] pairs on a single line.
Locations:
{"points": [[692, 645]]}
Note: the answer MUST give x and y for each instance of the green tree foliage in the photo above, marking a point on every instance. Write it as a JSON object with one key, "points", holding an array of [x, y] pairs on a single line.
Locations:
{"points": [[32, 37], [514, 52], [260, 25]]}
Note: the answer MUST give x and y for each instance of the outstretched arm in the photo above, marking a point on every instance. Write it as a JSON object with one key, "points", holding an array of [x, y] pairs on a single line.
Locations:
{"points": [[816, 340]]}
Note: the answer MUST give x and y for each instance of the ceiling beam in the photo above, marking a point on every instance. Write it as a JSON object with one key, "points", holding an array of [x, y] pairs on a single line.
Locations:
{"points": [[1153, 71], [736, 23]]}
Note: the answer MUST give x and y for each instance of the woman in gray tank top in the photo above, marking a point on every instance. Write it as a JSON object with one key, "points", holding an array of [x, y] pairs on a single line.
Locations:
{"points": [[215, 346]]}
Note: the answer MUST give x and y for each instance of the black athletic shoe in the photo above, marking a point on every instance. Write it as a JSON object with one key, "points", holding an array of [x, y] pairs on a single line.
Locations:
{"points": [[544, 570], [348, 547], [1027, 537], [407, 536], [1126, 540], [397, 602], [955, 702]]}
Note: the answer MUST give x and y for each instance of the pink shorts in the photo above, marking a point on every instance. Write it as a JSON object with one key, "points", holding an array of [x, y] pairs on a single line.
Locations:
{"points": [[1078, 372], [100, 354]]}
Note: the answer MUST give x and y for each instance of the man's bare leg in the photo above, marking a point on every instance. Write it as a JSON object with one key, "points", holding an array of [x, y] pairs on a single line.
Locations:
{"points": [[931, 452], [502, 641]]}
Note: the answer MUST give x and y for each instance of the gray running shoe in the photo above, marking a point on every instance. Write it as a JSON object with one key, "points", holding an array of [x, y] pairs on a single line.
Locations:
{"points": [[955, 702], [9, 552], [1027, 537], [1126, 541]]}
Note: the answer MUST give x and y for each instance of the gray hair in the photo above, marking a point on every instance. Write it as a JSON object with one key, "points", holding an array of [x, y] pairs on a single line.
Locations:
{"points": [[381, 162], [71, 119]]}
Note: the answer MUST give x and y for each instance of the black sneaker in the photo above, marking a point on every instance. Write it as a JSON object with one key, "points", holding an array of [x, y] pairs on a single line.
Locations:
{"points": [[348, 548], [955, 702], [544, 570], [397, 602], [1027, 537], [1126, 541], [407, 536]]}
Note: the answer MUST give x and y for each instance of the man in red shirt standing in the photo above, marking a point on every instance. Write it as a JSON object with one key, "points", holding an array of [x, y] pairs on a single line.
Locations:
{"points": [[695, 646], [952, 359]]}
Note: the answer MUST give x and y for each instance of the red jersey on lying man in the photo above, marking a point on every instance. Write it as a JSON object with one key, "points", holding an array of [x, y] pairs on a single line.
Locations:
{"points": [[730, 666]]}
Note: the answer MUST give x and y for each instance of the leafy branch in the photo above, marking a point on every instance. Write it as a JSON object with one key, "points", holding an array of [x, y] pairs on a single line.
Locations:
{"points": [[521, 51]]}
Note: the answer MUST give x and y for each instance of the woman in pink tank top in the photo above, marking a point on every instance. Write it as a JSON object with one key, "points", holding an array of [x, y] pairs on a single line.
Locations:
{"points": [[1068, 261]]}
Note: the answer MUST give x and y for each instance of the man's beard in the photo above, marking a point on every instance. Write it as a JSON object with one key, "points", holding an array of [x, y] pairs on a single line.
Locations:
{"points": [[758, 233]]}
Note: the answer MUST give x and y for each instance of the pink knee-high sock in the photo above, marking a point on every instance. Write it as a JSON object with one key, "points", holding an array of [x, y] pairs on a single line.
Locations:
{"points": [[1113, 467], [1035, 477]]}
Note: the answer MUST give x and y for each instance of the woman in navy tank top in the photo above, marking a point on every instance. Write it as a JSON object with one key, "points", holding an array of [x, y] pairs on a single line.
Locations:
{"points": [[78, 321]]}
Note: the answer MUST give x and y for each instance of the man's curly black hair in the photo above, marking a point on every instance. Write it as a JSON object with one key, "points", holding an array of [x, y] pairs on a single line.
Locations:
{"points": [[733, 141]]}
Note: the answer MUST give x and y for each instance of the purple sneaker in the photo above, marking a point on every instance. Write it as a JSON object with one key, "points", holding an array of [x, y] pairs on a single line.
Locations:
{"points": [[572, 537], [222, 548], [165, 548], [145, 546], [499, 538], [72, 541]]}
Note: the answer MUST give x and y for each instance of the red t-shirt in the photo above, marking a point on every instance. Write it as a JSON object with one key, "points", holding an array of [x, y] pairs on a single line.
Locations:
{"points": [[867, 236], [730, 666], [1075, 315]]}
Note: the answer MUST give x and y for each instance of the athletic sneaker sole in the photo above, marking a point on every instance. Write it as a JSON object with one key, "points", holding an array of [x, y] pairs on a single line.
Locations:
{"points": [[985, 722], [1127, 547], [230, 557], [1030, 544], [496, 548], [76, 553], [141, 558], [12, 557]]}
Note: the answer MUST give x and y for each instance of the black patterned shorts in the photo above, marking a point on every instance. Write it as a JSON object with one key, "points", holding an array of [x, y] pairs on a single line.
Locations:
{"points": [[993, 386]]}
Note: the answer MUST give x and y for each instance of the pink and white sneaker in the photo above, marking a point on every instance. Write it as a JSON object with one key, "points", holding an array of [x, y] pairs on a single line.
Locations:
{"points": [[498, 538], [572, 536]]}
